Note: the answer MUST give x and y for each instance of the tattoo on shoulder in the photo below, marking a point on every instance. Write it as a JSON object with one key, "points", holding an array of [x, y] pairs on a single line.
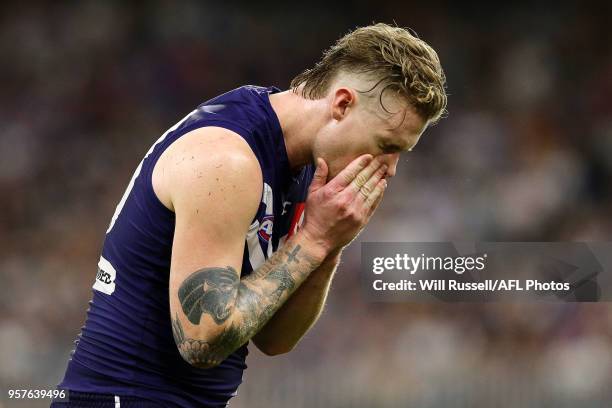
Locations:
{"points": [[211, 291]]}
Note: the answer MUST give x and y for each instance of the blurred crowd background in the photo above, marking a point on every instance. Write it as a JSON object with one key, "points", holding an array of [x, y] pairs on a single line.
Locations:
{"points": [[524, 155]]}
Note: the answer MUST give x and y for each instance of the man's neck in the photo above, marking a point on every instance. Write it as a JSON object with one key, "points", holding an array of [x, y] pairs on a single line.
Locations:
{"points": [[300, 120]]}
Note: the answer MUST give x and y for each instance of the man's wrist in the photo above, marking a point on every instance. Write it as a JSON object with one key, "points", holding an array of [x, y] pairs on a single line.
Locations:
{"points": [[315, 248], [334, 255]]}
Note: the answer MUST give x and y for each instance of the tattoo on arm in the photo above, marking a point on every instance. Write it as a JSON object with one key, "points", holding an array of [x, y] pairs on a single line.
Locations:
{"points": [[211, 291], [201, 353], [284, 281], [258, 299], [292, 257], [220, 292]]}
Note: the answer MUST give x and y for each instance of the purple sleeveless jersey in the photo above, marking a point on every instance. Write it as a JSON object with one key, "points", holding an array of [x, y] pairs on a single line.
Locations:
{"points": [[126, 346]]}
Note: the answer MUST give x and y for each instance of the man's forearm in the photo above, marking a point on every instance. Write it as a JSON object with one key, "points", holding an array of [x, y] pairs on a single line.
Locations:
{"points": [[299, 313], [251, 302]]}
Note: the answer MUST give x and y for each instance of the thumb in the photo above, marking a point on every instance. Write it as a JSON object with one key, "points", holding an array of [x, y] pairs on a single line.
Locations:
{"points": [[320, 177]]}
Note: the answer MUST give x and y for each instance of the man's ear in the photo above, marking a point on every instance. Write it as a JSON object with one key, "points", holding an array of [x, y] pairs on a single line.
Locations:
{"points": [[343, 100]]}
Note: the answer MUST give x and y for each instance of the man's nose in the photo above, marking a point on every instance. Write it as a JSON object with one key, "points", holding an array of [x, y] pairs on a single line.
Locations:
{"points": [[390, 160]]}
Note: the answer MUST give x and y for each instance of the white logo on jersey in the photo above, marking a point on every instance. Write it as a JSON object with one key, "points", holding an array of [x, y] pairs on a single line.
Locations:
{"points": [[105, 278], [212, 108], [285, 204]]}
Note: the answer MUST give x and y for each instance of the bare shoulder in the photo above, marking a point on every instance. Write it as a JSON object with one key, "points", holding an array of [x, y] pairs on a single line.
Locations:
{"points": [[205, 162]]}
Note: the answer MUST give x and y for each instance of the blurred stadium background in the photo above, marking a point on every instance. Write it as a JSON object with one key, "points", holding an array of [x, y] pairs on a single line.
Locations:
{"points": [[525, 154]]}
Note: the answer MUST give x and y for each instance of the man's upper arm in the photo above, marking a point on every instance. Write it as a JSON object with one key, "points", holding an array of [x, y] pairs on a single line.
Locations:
{"points": [[212, 180]]}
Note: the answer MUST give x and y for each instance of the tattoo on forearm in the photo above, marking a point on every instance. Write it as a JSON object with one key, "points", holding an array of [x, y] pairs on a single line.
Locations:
{"points": [[258, 302], [211, 291], [219, 292], [285, 282], [292, 257]]}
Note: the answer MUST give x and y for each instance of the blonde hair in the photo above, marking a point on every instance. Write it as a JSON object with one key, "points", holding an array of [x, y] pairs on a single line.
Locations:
{"points": [[393, 57]]}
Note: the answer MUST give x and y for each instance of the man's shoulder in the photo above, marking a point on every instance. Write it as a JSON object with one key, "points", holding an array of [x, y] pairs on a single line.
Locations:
{"points": [[207, 159]]}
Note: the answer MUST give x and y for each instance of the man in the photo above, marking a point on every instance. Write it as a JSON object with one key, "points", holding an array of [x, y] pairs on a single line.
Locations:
{"points": [[226, 234]]}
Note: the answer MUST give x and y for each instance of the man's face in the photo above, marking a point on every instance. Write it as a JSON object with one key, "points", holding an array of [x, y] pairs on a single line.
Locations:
{"points": [[359, 125]]}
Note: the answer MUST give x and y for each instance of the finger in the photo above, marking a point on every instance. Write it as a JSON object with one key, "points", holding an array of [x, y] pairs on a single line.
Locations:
{"points": [[376, 197], [364, 175], [347, 175], [373, 177], [320, 177], [375, 205]]}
